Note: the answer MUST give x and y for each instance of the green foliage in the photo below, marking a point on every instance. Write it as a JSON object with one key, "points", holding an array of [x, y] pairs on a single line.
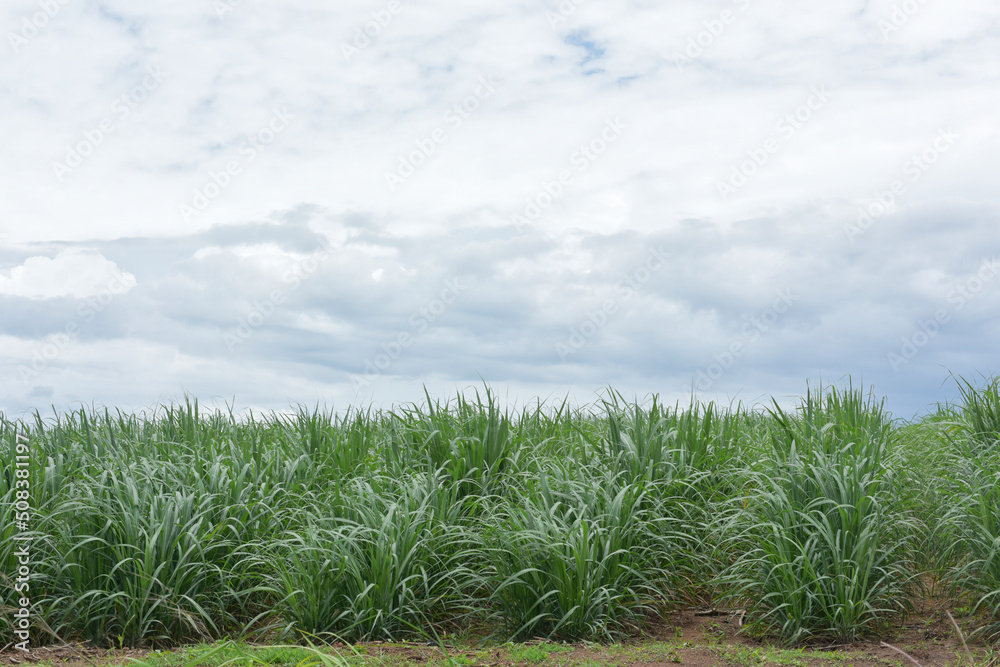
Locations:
{"points": [[974, 521], [827, 550], [380, 569], [184, 525], [582, 559]]}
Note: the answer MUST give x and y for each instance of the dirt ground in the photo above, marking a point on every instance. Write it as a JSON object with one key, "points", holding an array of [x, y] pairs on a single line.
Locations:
{"points": [[689, 638]]}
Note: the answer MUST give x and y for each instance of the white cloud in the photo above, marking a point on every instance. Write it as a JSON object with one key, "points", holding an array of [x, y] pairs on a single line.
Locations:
{"points": [[75, 273]]}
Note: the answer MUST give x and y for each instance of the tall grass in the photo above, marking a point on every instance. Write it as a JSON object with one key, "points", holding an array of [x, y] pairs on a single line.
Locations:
{"points": [[974, 522], [828, 549], [390, 560], [181, 525], [583, 558]]}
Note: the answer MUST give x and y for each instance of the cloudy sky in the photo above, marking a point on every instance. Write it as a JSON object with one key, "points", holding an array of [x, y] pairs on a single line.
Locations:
{"points": [[277, 203]]}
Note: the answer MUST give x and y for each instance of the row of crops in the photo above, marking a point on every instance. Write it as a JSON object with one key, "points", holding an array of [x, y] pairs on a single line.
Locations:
{"points": [[829, 520]]}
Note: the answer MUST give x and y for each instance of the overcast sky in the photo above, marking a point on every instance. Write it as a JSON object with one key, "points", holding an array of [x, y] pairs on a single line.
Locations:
{"points": [[278, 203]]}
